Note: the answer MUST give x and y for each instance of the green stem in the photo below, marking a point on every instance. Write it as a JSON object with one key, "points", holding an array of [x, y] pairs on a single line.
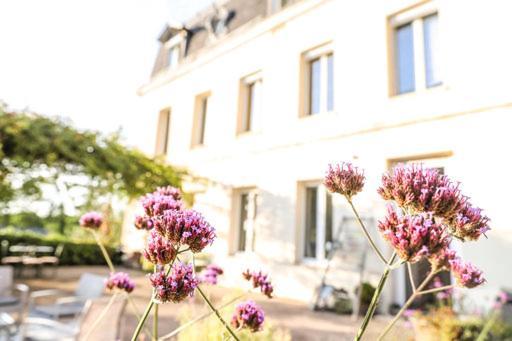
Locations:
{"points": [[149, 306], [411, 299], [155, 316], [431, 291], [366, 233], [100, 316], [136, 312], [487, 327], [104, 251], [218, 314], [202, 317], [375, 298]]}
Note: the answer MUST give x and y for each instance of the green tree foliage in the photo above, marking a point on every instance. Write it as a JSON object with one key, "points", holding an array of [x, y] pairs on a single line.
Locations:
{"points": [[38, 151]]}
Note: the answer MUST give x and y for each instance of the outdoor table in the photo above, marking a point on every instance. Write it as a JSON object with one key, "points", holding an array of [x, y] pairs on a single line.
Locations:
{"points": [[30, 249], [29, 256]]}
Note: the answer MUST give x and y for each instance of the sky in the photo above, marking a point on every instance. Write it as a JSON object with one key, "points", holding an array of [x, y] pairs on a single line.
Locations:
{"points": [[84, 59]]}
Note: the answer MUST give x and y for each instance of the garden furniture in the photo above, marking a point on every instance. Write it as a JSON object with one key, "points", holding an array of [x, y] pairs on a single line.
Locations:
{"points": [[89, 287]]}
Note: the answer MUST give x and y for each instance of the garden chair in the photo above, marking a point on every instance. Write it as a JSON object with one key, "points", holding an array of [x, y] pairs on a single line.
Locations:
{"points": [[13, 297], [15, 261], [89, 287]]}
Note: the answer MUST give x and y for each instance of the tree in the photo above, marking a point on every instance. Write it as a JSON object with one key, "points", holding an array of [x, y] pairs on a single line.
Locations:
{"points": [[38, 152]]}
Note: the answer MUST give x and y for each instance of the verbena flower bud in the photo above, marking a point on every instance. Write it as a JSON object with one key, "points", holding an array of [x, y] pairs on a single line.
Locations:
{"points": [[143, 222], [159, 250], [413, 237], [186, 227], [469, 223], [169, 191], [248, 315], [419, 189], [92, 220], [345, 179], [121, 281], [156, 204], [176, 287], [210, 274], [441, 259], [466, 274], [260, 280]]}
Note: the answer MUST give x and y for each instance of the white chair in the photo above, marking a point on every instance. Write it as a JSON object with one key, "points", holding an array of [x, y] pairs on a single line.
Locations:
{"points": [[13, 297], [89, 287]]}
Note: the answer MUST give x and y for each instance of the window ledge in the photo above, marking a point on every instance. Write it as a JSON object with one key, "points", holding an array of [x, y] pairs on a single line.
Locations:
{"points": [[314, 263], [320, 114]]}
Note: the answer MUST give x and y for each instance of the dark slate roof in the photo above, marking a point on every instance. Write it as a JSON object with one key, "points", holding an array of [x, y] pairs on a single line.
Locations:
{"points": [[200, 30]]}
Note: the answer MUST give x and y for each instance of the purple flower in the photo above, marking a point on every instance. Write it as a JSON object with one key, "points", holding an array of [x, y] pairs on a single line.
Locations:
{"points": [[120, 280], [442, 295], [159, 250], [469, 223], [466, 274], [92, 220], [248, 315], [441, 259], [176, 287], [186, 227], [156, 204], [501, 300], [169, 191], [345, 179], [259, 280], [413, 237], [422, 190], [210, 274], [143, 222]]}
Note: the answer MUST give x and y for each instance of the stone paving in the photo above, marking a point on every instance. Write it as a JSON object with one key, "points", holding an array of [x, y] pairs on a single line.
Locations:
{"points": [[295, 316]]}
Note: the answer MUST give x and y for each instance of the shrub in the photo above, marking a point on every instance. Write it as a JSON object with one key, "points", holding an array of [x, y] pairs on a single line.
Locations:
{"points": [[75, 252]]}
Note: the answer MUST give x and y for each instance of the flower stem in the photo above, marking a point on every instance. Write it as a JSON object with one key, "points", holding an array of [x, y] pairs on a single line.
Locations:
{"points": [[202, 317], [104, 251], [431, 291], [149, 307], [100, 316], [217, 313], [411, 279], [366, 233], [375, 298], [136, 311], [416, 293], [155, 316], [487, 327]]}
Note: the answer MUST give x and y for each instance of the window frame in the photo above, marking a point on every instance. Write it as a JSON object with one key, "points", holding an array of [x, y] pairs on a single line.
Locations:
{"points": [[202, 107], [414, 16], [176, 42], [245, 116], [322, 210], [163, 131], [251, 219], [322, 54]]}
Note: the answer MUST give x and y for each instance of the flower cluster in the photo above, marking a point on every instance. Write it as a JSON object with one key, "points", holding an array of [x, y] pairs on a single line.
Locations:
{"points": [[259, 280], [92, 220], [248, 315], [441, 259], [120, 280], [413, 237], [418, 189], [176, 286], [159, 250], [156, 204], [186, 227], [469, 223], [466, 274], [143, 222], [169, 191], [210, 274], [344, 179]]}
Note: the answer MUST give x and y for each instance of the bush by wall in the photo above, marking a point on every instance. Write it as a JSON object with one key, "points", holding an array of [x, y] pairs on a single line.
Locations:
{"points": [[74, 253]]}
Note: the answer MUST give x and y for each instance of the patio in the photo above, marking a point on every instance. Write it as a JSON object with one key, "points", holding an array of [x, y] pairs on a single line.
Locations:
{"points": [[295, 316]]}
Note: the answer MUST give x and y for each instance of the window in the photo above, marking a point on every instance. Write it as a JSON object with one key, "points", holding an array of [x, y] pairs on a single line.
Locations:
{"points": [[319, 81], [162, 140], [318, 227], [251, 104], [200, 120], [246, 203], [416, 50], [173, 57]]}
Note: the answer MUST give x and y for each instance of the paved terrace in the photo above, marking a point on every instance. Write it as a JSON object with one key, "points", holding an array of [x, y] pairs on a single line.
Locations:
{"points": [[295, 316]]}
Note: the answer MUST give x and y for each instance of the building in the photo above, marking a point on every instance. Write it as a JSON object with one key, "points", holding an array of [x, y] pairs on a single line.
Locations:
{"points": [[259, 96]]}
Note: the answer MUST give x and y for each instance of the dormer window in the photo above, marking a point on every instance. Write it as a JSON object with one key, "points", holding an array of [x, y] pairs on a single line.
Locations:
{"points": [[173, 56]]}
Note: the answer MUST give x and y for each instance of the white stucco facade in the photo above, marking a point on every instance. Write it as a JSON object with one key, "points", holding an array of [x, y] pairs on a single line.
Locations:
{"points": [[462, 125]]}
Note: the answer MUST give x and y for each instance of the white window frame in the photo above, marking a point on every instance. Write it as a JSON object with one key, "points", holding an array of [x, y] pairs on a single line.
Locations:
{"points": [[320, 221], [249, 224], [200, 120], [415, 17], [163, 132], [244, 114], [175, 42], [322, 53]]}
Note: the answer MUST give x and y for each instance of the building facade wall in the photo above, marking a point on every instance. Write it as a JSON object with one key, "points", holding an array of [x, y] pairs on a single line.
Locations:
{"points": [[463, 124]]}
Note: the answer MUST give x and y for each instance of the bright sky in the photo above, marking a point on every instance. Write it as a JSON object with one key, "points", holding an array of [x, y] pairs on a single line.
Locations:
{"points": [[85, 59]]}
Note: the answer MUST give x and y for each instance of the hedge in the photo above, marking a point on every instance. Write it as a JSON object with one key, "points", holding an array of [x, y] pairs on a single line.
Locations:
{"points": [[74, 252]]}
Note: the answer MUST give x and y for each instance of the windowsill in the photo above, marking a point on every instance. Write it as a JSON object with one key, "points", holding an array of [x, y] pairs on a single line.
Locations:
{"points": [[314, 262], [421, 92], [320, 114], [197, 147], [248, 133]]}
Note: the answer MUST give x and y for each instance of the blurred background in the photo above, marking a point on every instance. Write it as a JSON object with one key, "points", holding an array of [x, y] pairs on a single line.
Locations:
{"points": [[242, 104]]}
